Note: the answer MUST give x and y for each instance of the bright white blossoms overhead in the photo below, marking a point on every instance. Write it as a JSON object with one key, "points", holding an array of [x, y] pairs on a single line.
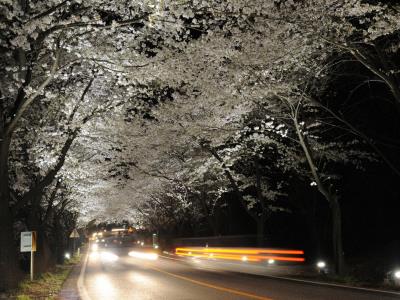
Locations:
{"points": [[221, 59]]}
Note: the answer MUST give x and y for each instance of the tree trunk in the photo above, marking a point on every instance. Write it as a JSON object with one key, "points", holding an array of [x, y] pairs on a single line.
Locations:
{"points": [[260, 231], [43, 255], [44, 258], [206, 211], [332, 199], [260, 219], [336, 215], [9, 270], [59, 243], [314, 248]]}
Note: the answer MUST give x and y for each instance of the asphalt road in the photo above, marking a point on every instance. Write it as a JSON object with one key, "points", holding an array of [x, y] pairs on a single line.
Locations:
{"points": [[170, 279]]}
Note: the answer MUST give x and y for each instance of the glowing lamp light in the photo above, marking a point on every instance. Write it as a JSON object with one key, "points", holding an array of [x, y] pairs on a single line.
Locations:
{"points": [[95, 247], [271, 261], [397, 274], [67, 255], [321, 264], [244, 258]]}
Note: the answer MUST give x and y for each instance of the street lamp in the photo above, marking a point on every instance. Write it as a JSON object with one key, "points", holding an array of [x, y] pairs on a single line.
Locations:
{"points": [[393, 277], [321, 265], [397, 274]]}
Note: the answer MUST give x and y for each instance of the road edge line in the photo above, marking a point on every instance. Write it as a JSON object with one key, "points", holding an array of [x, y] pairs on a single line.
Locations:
{"points": [[172, 258], [360, 289], [377, 291], [80, 283]]}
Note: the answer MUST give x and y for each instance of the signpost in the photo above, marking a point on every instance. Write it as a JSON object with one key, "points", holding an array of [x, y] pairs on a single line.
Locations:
{"points": [[74, 235], [28, 244]]}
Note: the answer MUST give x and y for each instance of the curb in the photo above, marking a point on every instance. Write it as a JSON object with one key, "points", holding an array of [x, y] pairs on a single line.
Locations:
{"points": [[68, 290], [80, 283]]}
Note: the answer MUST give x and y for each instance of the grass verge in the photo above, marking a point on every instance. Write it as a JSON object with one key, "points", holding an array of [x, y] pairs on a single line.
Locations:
{"points": [[47, 285]]}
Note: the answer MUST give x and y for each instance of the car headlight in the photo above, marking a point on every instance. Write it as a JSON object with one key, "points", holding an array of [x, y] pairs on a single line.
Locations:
{"points": [[144, 255], [108, 257]]}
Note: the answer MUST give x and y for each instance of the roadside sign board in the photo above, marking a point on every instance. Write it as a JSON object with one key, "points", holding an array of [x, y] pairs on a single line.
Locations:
{"points": [[28, 244], [28, 241], [74, 234]]}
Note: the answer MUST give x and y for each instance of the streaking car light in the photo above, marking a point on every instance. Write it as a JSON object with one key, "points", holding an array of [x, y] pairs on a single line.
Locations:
{"points": [[251, 251], [144, 255], [243, 254]]}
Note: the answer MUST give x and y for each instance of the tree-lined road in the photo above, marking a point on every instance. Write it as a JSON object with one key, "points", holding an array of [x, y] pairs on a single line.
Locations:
{"points": [[165, 278]]}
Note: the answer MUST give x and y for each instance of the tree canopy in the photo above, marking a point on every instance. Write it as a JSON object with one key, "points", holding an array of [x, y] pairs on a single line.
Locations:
{"points": [[158, 111]]}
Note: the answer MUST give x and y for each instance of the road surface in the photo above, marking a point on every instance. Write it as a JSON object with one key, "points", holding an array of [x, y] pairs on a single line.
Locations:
{"points": [[170, 279]]}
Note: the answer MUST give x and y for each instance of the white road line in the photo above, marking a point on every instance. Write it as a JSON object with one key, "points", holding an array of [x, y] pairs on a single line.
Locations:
{"points": [[309, 281], [81, 285], [333, 285], [172, 258]]}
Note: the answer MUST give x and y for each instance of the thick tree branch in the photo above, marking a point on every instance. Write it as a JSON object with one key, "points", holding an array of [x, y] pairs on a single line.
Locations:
{"points": [[232, 181], [27, 102], [49, 11], [359, 133]]}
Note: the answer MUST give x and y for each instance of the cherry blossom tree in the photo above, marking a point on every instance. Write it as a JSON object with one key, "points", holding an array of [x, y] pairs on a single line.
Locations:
{"points": [[124, 100], [48, 43]]}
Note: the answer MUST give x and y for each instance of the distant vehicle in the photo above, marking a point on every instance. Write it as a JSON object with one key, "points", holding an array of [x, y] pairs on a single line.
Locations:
{"points": [[116, 238]]}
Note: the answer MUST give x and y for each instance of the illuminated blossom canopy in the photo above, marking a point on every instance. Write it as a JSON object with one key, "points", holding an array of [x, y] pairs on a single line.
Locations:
{"points": [[135, 84]]}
